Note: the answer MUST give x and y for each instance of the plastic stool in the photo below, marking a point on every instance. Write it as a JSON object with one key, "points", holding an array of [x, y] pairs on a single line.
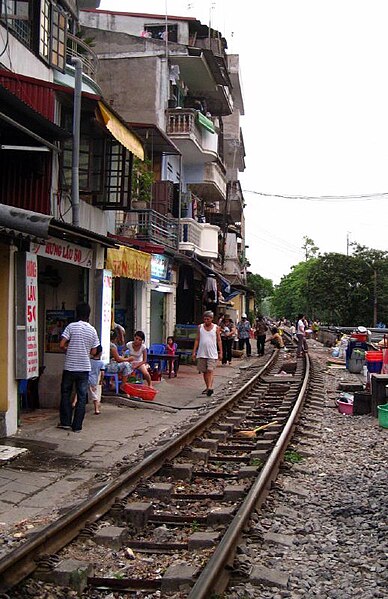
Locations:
{"points": [[109, 375]]}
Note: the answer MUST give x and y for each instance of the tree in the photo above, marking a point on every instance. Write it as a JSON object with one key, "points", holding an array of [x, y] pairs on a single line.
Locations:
{"points": [[309, 247], [291, 295], [261, 288]]}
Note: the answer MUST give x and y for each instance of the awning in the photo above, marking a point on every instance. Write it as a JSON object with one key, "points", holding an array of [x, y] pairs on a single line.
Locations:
{"points": [[129, 263], [205, 122], [25, 221], [121, 132], [226, 289]]}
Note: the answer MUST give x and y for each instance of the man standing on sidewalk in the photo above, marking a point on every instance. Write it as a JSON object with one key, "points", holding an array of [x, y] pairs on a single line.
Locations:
{"points": [[205, 350], [79, 340]]}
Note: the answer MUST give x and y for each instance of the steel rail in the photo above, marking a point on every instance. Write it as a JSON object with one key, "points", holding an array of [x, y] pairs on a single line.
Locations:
{"points": [[22, 561], [214, 577]]}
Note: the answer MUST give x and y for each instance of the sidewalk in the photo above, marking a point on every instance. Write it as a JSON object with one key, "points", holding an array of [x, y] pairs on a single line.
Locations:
{"points": [[44, 470]]}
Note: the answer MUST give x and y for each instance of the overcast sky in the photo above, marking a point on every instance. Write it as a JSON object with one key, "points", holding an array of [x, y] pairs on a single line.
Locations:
{"points": [[315, 84]]}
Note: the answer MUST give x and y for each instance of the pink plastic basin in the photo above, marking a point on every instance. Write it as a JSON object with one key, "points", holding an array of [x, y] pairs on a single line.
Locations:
{"points": [[345, 408]]}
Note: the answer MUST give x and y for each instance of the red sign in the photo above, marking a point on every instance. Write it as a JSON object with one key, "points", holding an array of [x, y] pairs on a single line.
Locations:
{"points": [[32, 315]]}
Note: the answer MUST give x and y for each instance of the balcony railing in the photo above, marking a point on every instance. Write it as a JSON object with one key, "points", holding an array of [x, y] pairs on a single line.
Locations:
{"points": [[199, 238], [76, 48], [183, 127], [148, 225]]}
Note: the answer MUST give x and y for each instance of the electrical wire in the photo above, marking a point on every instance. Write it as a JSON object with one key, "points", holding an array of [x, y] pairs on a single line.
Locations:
{"points": [[370, 197]]}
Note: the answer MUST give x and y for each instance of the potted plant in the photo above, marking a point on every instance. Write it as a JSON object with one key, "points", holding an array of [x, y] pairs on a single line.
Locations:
{"points": [[142, 180]]}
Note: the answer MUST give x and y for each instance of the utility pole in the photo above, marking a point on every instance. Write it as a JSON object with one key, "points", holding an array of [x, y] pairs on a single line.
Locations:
{"points": [[347, 242]]}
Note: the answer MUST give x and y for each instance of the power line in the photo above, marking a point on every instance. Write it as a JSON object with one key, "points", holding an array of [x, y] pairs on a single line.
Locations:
{"points": [[351, 198]]}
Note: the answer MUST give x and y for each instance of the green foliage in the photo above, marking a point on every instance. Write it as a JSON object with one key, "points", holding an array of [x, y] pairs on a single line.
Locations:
{"points": [[142, 180], [262, 288], [336, 289], [291, 295], [309, 247], [293, 457]]}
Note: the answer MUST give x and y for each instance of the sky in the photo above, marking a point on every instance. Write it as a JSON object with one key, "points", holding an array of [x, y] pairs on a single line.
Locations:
{"points": [[315, 86]]}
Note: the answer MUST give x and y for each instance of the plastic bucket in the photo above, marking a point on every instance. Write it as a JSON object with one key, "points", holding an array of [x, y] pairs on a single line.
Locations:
{"points": [[374, 367], [383, 415]]}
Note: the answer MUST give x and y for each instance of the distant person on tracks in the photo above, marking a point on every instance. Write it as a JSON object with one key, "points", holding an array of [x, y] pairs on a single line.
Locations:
{"points": [[276, 338], [301, 335], [79, 340], [207, 350], [244, 334], [261, 329]]}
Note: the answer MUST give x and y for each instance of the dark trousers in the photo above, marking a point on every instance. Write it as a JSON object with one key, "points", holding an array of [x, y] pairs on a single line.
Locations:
{"points": [[227, 344], [247, 343], [80, 379], [260, 344]]}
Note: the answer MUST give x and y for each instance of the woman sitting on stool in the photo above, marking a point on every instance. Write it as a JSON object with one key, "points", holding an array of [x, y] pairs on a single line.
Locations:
{"points": [[118, 364], [137, 350]]}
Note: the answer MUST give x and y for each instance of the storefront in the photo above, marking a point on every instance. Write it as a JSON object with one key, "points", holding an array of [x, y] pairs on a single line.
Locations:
{"points": [[131, 270], [162, 291]]}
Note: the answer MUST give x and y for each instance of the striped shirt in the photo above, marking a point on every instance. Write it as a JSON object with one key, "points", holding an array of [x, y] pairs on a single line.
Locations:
{"points": [[82, 338]]}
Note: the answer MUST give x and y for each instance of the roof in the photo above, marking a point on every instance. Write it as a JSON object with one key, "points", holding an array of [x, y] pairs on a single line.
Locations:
{"points": [[153, 138]]}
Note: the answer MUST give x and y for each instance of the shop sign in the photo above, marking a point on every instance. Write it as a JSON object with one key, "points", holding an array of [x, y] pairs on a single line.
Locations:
{"points": [[58, 249], [106, 314], [27, 354], [160, 268], [129, 263]]}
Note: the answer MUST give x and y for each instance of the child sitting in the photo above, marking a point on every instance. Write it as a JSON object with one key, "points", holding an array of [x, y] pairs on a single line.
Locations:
{"points": [[96, 377]]}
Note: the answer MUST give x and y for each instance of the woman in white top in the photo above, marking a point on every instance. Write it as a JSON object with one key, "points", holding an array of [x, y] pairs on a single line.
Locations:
{"points": [[137, 349], [301, 335]]}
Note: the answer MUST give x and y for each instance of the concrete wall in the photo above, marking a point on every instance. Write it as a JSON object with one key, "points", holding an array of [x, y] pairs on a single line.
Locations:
{"points": [[120, 22], [23, 61], [136, 87]]}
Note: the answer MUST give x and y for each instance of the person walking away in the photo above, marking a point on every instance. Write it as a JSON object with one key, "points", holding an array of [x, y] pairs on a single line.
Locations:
{"points": [[96, 379], [244, 333], [301, 335], [79, 340], [227, 344], [261, 329], [206, 344]]}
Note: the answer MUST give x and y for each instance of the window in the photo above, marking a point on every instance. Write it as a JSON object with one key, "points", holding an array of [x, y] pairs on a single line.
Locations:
{"points": [[104, 168], [52, 34], [39, 24], [158, 32], [15, 14]]}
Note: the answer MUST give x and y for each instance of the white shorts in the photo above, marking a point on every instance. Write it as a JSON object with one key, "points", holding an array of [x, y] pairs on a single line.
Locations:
{"points": [[95, 392]]}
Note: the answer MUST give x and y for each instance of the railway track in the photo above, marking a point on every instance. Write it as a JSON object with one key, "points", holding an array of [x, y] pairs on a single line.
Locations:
{"points": [[172, 523]]}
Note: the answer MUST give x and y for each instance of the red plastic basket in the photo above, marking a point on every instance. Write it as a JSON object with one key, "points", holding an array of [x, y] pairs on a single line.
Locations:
{"points": [[143, 391]]}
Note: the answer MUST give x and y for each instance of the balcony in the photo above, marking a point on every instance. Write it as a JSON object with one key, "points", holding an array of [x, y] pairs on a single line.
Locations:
{"points": [[210, 184], [196, 142], [198, 238], [148, 225], [76, 48]]}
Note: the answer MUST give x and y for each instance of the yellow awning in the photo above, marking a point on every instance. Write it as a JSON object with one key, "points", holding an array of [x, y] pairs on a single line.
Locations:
{"points": [[129, 263], [121, 133]]}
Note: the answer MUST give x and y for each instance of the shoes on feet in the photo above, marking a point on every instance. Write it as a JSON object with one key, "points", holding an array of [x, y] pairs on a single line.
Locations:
{"points": [[204, 392], [209, 392], [64, 427], [77, 430]]}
